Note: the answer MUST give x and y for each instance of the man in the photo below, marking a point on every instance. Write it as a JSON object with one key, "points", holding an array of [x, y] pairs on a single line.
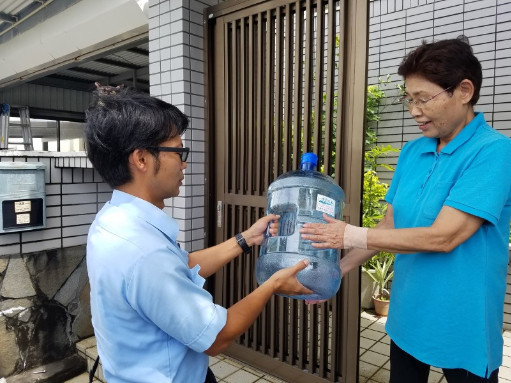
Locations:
{"points": [[153, 321]]}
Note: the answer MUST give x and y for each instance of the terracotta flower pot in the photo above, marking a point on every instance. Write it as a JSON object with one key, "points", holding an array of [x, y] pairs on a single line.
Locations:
{"points": [[381, 306]]}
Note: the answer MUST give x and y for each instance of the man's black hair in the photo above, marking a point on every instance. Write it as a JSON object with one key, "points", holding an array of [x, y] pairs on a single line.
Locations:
{"points": [[122, 120]]}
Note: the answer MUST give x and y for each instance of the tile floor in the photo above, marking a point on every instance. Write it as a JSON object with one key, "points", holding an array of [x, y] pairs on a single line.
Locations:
{"points": [[374, 353], [374, 359]]}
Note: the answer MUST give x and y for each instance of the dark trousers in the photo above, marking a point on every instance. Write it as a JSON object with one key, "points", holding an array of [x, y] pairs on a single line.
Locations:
{"points": [[404, 368], [210, 377]]}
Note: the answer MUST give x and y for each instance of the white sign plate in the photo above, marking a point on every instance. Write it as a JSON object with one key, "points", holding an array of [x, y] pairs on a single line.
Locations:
{"points": [[22, 206], [22, 219]]}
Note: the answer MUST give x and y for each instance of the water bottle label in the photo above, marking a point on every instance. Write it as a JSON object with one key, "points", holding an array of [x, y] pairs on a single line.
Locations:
{"points": [[325, 204]]}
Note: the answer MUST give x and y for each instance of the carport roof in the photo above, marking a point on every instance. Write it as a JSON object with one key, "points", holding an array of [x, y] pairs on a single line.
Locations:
{"points": [[122, 65], [15, 11]]}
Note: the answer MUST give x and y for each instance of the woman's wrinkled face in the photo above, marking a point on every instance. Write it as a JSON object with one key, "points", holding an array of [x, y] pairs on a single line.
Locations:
{"points": [[440, 113]]}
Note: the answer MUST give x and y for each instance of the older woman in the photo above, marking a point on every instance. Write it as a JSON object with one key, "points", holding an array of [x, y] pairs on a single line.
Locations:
{"points": [[449, 208]]}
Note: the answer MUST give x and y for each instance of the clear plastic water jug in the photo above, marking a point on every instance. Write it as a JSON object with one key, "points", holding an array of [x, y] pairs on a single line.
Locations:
{"points": [[302, 196]]}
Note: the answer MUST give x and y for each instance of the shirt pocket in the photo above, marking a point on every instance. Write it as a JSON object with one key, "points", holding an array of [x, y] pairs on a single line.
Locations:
{"points": [[436, 199]]}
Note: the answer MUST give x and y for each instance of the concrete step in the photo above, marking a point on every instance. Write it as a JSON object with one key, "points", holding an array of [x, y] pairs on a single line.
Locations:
{"points": [[87, 350]]}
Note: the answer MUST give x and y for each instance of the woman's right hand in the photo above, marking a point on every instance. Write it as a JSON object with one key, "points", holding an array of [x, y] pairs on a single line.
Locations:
{"points": [[285, 280]]}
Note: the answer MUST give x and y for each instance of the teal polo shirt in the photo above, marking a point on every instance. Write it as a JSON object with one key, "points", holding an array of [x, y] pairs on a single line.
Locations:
{"points": [[446, 309]]}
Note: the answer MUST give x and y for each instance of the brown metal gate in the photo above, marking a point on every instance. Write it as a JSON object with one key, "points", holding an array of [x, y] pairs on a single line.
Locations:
{"points": [[283, 78]]}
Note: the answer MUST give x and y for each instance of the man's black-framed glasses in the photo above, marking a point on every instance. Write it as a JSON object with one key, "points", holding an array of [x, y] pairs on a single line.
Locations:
{"points": [[420, 103], [183, 152]]}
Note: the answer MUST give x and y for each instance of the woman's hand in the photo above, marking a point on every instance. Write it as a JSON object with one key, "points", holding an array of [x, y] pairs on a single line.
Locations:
{"points": [[255, 234], [328, 235], [315, 302]]}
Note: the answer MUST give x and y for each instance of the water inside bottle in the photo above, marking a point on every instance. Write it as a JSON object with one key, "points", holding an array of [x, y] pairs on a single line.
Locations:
{"points": [[299, 197], [323, 278]]}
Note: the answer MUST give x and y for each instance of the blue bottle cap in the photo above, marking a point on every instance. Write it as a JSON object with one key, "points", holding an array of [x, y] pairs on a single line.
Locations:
{"points": [[309, 157]]}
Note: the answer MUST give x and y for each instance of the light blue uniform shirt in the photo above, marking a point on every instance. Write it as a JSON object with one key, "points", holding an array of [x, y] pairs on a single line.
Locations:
{"points": [[152, 318], [446, 309]]}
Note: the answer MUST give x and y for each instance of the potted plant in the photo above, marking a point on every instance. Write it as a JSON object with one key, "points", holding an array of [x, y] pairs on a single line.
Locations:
{"points": [[381, 272], [378, 271]]}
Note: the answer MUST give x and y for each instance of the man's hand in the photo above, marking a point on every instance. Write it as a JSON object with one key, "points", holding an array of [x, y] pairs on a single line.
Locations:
{"points": [[255, 234], [285, 280]]}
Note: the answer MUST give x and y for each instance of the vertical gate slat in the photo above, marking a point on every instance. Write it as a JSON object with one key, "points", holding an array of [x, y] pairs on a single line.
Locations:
{"points": [[251, 141], [293, 331], [281, 322], [298, 87], [277, 126], [260, 105], [313, 331], [308, 77], [268, 98], [231, 266], [330, 77], [270, 123], [281, 148], [228, 160], [260, 336], [288, 92], [227, 113], [245, 269], [273, 331], [340, 65], [302, 347], [318, 85], [234, 120], [323, 357], [242, 75], [336, 338]]}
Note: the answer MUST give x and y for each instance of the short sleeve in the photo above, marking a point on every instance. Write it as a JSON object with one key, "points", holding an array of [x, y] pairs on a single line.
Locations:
{"points": [[485, 185], [162, 290]]}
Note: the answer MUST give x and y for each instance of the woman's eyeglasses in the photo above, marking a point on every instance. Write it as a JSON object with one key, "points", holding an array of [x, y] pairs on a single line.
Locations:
{"points": [[420, 103], [183, 152]]}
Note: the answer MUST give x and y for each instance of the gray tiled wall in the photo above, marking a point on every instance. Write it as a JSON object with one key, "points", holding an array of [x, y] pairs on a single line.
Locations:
{"points": [[177, 76], [397, 26], [73, 197]]}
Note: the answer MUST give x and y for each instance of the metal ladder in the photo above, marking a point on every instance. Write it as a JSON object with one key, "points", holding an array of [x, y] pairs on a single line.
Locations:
{"points": [[5, 112], [24, 124]]}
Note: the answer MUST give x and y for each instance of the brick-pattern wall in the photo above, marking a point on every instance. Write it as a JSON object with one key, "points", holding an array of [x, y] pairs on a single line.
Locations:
{"points": [[74, 194], [176, 67], [396, 27]]}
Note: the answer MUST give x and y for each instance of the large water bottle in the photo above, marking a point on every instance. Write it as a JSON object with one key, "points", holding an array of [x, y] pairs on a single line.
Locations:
{"points": [[302, 196]]}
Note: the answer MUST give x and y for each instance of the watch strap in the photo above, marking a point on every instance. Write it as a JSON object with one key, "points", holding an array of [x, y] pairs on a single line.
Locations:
{"points": [[243, 244]]}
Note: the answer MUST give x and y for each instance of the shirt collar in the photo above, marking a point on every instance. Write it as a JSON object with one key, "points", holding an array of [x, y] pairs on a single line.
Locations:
{"points": [[147, 211], [462, 137]]}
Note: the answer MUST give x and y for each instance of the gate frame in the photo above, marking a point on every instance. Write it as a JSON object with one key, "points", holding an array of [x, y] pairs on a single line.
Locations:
{"points": [[354, 101]]}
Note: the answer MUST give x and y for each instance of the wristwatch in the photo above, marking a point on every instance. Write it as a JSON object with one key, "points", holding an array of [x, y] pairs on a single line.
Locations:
{"points": [[243, 244]]}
